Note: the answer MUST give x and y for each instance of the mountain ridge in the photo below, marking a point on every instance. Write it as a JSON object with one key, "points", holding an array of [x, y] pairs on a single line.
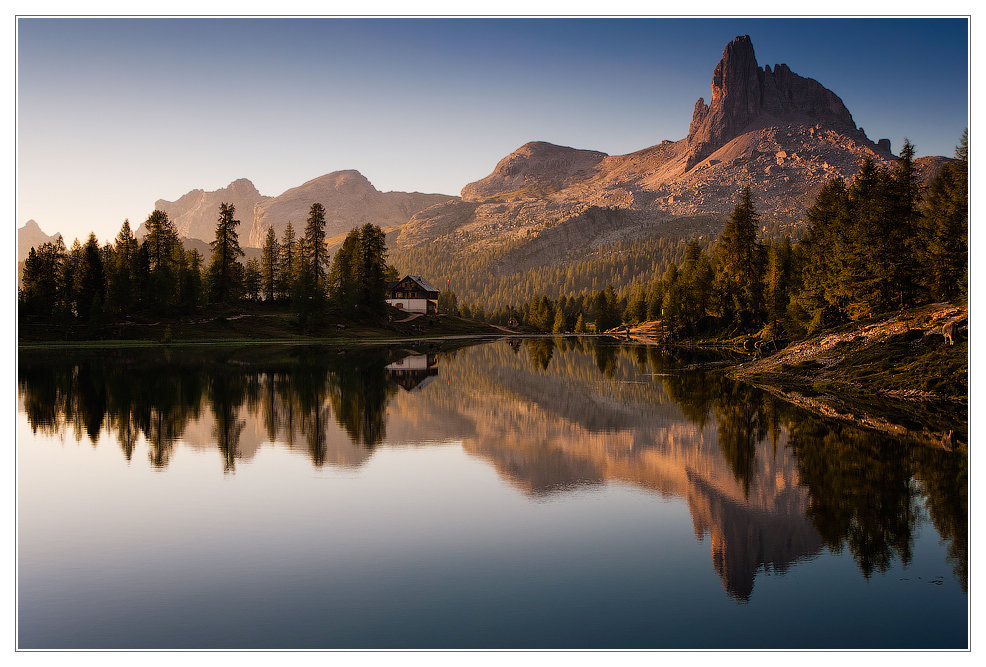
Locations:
{"points": [[349, 198], [779, 133]]}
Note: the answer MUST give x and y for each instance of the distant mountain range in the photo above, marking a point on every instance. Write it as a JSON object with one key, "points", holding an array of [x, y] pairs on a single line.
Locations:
{"points": [[782, 134], [350, 200]]}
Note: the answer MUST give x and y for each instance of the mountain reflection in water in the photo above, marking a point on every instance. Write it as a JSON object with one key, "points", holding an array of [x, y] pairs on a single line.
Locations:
{"points": [[769, 484]]}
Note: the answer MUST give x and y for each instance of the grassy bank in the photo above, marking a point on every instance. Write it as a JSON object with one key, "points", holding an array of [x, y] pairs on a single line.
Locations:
{"points": [[252, 324]]}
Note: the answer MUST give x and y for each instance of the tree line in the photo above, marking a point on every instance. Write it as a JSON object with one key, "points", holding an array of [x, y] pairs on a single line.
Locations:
{"points": [[157, 275], [875, 245]]}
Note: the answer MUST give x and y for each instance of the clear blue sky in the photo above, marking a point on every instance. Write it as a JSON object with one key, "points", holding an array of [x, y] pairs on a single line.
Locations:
{"points": [[114, 114]]}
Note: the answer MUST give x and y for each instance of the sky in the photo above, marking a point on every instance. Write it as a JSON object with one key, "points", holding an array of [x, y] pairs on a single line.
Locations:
{"points": [[113, 114]]}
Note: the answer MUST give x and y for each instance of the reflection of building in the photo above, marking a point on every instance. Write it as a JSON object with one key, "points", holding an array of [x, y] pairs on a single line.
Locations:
{"points": [[411, 372], [413, 294]]}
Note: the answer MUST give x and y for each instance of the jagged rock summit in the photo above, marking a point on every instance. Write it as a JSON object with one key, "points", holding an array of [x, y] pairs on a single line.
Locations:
{"points": [[195, 213], [782, 134], [743, 95]]}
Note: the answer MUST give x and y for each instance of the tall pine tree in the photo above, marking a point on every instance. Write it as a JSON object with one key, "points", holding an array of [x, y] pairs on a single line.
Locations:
{"points": [[225, 271]]}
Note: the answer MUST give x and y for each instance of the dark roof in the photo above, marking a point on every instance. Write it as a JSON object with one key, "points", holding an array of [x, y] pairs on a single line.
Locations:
{"points": [[425, 285]]}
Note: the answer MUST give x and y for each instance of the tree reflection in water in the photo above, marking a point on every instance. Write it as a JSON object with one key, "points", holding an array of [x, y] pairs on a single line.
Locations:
{"points": [[865, 489]]}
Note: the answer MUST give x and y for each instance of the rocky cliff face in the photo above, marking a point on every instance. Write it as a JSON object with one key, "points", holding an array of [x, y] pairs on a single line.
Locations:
{"points": [[350, 200], [743, 95], [782, 134], [195, 214]]}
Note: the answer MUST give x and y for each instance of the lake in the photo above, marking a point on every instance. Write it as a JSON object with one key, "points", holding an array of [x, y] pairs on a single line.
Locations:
{"points": [[529, 493]]}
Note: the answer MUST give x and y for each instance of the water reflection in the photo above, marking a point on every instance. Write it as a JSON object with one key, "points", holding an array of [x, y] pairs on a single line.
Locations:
{"points": [[768, 484], [414, 370]]}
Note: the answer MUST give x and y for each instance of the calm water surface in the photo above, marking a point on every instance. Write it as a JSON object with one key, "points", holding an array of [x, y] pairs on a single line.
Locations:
{"points": [[536, 494]]}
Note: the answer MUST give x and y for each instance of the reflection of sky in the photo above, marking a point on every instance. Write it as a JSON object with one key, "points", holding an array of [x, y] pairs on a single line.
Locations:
{"points": [[116, 113]]}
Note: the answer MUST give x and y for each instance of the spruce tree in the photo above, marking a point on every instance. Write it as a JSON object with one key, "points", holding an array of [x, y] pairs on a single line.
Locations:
{"points": [[90, 281], [122, 291], [42, 289], [270, 259], [314, 253], [740, 262], [371, 282], [777, 286], [944, 234], [288, 269], [819, 297], [225, 269], [344, 274], [252, 280]]}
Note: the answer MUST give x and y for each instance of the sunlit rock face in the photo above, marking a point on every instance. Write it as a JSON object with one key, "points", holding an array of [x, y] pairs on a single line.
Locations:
{"points": [[196, 213], [782, 134], [349, 199], [743, 94]]}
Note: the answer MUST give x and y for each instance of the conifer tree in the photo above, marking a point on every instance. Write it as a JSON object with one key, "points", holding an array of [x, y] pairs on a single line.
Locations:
{"points": [[225, 270], [70, 267], [42, 289], [900, 231], [270, 259], [191, 291], [161, 246], [314, 253], [675, 291], [778, 282], [371, 279], [252, 280], [818, 297], [945, 246], [559, 323], [121, 288], [344, 274], [740, 262], [90, 280]]}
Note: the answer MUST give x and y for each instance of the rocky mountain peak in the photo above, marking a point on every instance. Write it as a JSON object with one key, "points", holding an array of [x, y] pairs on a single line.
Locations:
{"points": [[31, 236], [347, 179], [536, 166], [745, 96]]}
